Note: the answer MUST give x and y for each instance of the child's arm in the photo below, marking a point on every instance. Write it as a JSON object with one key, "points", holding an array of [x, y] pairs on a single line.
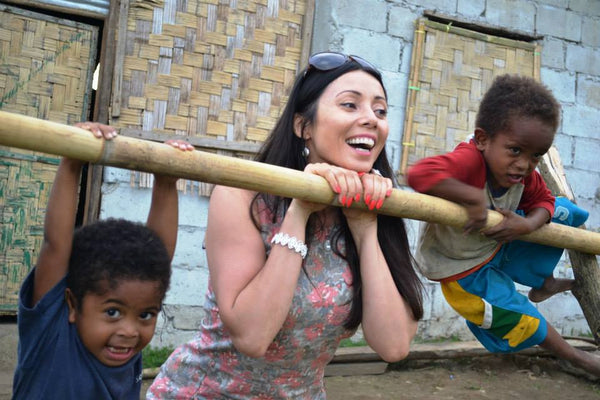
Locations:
{"points": [[163, 217], [470, 197], [52, 264], [514, 225]]}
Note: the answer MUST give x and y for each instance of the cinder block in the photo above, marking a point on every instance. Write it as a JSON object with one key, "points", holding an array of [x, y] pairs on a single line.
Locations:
{"points": [[558, 23]]}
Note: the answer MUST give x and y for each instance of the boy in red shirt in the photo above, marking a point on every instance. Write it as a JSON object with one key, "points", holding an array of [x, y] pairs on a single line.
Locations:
{"points": [[515, 127]]}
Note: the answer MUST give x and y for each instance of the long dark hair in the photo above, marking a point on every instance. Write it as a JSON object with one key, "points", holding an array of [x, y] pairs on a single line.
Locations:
{"points": [[284, 148]]}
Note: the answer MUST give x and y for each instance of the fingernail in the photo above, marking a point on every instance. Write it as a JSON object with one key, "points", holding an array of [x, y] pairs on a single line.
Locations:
{"points": [[349, 201], [372, 205], [357, 197], [337, 189], [343, 200], [368, 199], [379, 204], [388, 193], [361, 173]]}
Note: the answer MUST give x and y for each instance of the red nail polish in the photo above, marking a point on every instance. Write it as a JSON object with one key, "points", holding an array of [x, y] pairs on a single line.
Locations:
{"points": [[361, 173], [357, 197], [337, 189], [372, 205], [368, 198], [379, 204], [343, 200], [388, 193]]}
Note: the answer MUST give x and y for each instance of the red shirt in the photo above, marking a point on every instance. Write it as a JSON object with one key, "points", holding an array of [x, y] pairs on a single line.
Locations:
{"points": [[466, 164]]}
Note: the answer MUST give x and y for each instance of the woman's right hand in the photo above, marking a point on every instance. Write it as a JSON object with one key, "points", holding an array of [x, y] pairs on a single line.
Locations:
{"points": [[345, 183]]}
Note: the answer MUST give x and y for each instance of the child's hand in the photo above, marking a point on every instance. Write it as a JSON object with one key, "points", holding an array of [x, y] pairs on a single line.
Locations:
{"points": [[477, 211], [511, 227], [99, 130], [180, 145]]}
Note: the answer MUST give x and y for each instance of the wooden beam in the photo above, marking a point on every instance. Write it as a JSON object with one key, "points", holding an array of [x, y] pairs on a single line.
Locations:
{"points": [[124, 152]]}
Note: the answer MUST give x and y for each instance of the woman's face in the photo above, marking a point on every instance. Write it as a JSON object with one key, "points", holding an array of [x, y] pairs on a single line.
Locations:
{"points": [[351, 125]]}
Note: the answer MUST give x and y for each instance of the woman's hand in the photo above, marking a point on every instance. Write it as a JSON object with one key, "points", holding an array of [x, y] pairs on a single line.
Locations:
{"points": [[346, 183]]}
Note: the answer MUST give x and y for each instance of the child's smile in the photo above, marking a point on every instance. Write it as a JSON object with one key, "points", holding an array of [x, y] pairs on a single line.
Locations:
{"points": [[119, 323], [513, 153]]}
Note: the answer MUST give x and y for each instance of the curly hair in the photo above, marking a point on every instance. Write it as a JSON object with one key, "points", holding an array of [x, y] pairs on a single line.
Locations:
{"points": [[514, 96], [107, 252], [284, 148]]}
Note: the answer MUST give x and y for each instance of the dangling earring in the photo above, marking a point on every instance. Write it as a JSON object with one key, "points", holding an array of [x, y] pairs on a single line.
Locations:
{"points": [[305, 152]]}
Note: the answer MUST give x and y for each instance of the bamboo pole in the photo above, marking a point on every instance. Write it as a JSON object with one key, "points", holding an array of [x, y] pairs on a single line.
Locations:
{"points": [[141, 155]]}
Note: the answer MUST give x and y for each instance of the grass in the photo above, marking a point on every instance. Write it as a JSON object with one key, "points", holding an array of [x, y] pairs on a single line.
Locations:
{"points": [[351, 343], [154, 357]]}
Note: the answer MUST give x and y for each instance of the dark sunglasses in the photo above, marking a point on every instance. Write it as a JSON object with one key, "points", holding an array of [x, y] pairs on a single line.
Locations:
{"points": [[326, 61]]}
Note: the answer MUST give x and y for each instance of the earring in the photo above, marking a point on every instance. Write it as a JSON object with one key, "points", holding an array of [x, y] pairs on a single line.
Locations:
{"points": [[305, 152]]}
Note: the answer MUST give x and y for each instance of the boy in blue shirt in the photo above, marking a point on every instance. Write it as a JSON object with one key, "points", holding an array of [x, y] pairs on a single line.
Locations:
{"points": [[90, 305]]}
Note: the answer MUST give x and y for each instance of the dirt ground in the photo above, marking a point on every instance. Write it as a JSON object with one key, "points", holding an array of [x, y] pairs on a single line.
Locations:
{"points": [[491, 377]]}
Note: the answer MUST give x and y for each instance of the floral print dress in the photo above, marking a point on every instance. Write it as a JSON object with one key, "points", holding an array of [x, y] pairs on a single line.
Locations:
{"points": [[210, 367]]}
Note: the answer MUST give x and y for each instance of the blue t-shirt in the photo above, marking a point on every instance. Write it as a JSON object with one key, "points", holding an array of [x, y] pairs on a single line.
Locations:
{"points": [[52, 361]]}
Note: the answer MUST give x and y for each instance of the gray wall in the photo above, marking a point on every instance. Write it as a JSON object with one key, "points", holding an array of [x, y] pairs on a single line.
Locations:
{"points": [[382, 32]]}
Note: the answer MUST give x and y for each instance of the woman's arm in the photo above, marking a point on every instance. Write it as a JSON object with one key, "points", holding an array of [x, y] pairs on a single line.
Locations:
{"points": [[254, 293]]}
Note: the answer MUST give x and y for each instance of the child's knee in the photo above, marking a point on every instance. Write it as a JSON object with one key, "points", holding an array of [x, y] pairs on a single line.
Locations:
{"points": [[568, 213]]}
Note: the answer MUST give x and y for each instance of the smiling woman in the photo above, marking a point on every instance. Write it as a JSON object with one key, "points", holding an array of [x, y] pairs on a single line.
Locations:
{"points": [[290, 278]]}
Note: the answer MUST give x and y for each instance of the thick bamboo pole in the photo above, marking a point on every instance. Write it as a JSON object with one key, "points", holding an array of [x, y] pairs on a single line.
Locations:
{"points": [[124, 152]]}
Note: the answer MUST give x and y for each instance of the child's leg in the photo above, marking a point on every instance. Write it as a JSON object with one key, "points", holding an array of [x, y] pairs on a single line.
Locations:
{"points": [[566, 213], [555, 343], [533, 264], [501, 318]]}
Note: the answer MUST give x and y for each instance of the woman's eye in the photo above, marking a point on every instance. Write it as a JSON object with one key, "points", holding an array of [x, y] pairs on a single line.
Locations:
{"points": [[348, 105], [381, 112], [113, 312]]}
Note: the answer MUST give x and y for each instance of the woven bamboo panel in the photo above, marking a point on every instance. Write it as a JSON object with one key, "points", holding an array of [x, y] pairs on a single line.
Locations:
{"points": [[207, 69], [451, 70], [46, 70]]}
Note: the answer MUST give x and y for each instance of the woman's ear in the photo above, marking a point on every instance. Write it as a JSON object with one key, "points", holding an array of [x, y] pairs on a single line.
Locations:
{"points": [[481, 139], [300, 129], [72, 304]]}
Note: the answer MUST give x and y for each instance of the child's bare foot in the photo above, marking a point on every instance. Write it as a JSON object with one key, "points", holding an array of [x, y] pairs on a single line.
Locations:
{"points": [[584, 364], [550, 287]]}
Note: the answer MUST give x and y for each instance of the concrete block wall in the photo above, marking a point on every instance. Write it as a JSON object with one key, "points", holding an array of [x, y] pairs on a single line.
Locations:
{"points": [[382, 32]]}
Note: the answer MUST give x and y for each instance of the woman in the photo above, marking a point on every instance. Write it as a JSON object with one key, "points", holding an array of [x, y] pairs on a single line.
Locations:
{"points": [[288, 278]]}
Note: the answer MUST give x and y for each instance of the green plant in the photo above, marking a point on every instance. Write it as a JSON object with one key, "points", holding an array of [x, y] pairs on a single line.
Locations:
{"points": [[153, 357], [350, 343]]}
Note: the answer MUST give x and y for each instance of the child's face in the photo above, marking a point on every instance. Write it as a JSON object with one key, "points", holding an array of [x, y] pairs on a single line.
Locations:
{"points": [[118, 324], [513, 153]]}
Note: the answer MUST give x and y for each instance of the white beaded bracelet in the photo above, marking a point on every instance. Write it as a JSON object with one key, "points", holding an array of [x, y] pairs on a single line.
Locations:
{"points": [[291, 243]]}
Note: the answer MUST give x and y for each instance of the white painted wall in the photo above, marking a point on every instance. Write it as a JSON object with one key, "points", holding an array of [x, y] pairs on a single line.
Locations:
{"points": [[382, 32]]}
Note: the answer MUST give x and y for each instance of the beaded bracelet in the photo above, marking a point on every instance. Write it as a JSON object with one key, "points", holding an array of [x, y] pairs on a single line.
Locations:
{"points": [[291, 243]]}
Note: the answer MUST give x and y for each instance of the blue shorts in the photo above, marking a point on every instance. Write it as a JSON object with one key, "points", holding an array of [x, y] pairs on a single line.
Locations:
{"points": [[501, 318]]}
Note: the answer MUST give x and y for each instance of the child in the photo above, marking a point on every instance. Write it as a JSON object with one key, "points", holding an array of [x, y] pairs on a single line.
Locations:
{"points": [[81, 332], [515, 127]]}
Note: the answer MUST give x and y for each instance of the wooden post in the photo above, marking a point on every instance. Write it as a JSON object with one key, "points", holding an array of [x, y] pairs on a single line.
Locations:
{"points": [[585, 266], [124, 152]]}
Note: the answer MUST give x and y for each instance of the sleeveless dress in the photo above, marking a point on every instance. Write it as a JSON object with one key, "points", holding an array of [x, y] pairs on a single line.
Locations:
{"points": [[209, 366]]}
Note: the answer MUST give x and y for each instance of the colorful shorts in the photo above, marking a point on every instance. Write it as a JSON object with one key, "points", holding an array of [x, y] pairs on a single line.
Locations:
{"points": [[501, 318]]}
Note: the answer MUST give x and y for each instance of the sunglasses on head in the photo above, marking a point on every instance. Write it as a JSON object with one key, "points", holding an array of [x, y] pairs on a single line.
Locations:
{"points": [[326, 61]]}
